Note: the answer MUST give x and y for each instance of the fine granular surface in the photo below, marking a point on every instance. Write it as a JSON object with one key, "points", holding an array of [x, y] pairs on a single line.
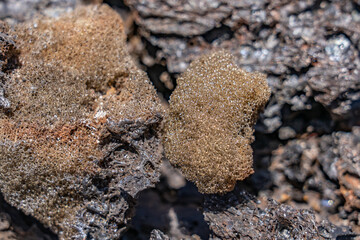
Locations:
{"points": [[209, 126]]}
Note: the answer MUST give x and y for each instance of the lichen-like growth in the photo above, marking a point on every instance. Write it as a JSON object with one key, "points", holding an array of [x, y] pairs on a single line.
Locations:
{"points": [[82, 122], [209, 126]]}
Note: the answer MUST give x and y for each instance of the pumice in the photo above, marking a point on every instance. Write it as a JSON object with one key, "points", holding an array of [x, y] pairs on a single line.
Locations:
{"points": [[209, 126]]}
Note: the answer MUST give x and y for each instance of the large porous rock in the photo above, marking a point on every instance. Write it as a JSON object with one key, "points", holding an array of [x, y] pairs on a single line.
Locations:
{"points": [[81, 136], [239, 215]]}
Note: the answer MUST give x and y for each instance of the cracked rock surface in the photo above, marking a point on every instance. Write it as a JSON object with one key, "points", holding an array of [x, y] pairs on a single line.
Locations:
{"points": [[308, 49], [241, 216]]}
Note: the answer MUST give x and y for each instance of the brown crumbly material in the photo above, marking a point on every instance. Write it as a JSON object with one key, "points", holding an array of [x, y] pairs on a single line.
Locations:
{"points": [[209, 126], [79, 104]]}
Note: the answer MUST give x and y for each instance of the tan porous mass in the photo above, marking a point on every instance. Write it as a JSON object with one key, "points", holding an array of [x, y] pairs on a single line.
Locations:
{"points": [[209, 126], [83, 121]]}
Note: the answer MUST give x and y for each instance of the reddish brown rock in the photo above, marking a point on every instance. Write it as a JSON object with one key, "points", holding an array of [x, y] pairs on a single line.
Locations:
{"points": [[81, 137]]}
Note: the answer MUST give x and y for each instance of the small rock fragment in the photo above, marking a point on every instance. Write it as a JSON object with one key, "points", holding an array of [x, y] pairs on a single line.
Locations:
{"points": [[286, 133], [158, 235], [5, 221]]}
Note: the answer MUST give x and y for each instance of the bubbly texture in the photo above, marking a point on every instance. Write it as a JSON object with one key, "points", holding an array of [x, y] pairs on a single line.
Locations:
{"points": [[76, 81], [209, 126]]}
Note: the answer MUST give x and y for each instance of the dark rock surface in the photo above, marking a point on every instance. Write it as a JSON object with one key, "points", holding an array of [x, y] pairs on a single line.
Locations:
{"points": [[176, 213], [322, 173], [239, 215], [309, 49], [132, 163]]}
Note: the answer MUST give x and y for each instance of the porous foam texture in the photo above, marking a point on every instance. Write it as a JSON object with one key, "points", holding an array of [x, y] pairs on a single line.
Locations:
{"points": [[209, 126], [81, 136]]}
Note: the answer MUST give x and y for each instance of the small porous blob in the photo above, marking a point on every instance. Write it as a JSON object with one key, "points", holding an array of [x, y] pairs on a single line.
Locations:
{"points": [[209, 126]]}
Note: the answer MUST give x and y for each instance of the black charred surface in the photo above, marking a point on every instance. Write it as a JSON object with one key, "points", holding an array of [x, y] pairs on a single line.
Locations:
{"points": [[131, 164]]}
